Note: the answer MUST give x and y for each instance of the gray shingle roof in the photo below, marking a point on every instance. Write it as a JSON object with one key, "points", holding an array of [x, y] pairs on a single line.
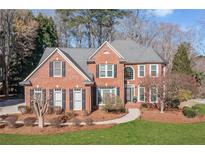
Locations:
{"points": [[131, 51], [135, 53]]}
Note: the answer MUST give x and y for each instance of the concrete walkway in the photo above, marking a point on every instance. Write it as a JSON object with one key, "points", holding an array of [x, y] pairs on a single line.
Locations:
{"points": [[132, 115], [10, 109]]}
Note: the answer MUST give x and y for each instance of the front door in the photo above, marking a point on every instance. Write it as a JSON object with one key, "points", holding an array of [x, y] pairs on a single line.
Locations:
{"points": [[77, 99], [129, 93]]}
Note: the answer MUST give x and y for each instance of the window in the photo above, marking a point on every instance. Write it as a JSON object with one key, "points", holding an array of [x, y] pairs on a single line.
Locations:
{"points": [[57, 68], [106, 70], [57, 97], [141, 70], [38, 94], [129, 73], [154, 70], [102, 92], [153, 94], [141, 94]]}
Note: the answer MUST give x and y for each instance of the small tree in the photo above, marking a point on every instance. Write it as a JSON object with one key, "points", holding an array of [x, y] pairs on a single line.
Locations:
{"points": [[40, 108], [181, 62]]}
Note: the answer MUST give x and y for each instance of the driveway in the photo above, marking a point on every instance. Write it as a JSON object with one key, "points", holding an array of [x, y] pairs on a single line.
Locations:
{"points": [[10, 106]]}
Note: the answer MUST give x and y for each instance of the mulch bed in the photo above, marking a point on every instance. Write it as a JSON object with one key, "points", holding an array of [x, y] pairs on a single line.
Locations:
{"points": [[174, 116], [49, 130], [98, 115]]}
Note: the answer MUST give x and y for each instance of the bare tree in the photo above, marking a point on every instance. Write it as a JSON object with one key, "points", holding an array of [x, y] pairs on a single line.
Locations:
{"points": [[40, 108]]}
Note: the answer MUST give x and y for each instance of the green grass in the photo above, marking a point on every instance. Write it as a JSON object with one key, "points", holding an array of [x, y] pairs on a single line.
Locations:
{"points": [[136, 132], [200, 108]]}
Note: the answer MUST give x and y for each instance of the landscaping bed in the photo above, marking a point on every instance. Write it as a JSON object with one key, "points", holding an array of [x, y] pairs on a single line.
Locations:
{"points": [[49, 130], [98, 115], [172, 116]]}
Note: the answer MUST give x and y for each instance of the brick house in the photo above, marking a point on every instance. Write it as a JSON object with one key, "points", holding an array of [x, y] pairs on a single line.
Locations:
{"points": [[78, 78]]}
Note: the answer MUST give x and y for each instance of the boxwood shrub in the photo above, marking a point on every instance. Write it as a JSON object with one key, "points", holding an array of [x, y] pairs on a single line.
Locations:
{"points": [[189, 112]]}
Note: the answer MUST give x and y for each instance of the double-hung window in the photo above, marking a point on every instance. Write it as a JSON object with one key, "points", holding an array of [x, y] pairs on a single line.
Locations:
{"points": [[57, 68], [141, 93], [102, 93], [153, 70], [141, 70], [153, 94], [58, 97], [38, 94], [106, 70]]}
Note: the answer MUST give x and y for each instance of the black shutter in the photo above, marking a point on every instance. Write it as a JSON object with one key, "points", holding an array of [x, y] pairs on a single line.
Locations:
{"points": [[64, 99], [51, 97], [63, 69], [31, 98], [115, 70], [50, 68], [97, 71], [71, 98], [83, 99], [44, 95], [118, 91]]}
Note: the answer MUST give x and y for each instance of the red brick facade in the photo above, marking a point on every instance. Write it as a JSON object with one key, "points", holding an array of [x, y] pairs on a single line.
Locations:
{"points": [[73, 79]]}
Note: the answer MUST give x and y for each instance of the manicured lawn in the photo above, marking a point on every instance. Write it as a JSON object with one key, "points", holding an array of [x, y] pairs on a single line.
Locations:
{"points": [[136, 132]]}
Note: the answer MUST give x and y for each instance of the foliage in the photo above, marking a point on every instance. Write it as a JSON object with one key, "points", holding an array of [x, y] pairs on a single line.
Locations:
{"points": [[23, 109], [11, 121], [29, 121], [200, 108], [57, 110], [189, 112], [113, 103], [184, 95], [50, 110], [181, 62], [55, 122], [134, 99], [172, 103], [85, 113], [89, 121], [64, 118], [70, 114], [199, 76]]}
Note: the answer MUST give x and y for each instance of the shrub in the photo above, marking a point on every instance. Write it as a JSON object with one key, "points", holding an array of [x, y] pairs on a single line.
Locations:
{"points": [[57, 110], [189, 112], [63, 118], [184, 95], [144, 105], [70, 114], [2, 117], [76, 122], [23, 109], [199, 108], [55, 122], [30, 121], [89, 121], [85, 113], [2, 125], [113, 103], [11, 121], [50, 110], [172, 103], [134, 99]]}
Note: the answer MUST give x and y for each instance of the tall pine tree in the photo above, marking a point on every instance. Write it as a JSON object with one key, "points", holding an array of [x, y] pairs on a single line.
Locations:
{"points": [[181, 62]]}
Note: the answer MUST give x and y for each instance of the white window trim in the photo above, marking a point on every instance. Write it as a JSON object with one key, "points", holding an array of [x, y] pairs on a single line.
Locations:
{"points": [[132, 85], [150, 66], [139, 94], [59, 90], [97, 89], [133, 72], [150, 96], [106, 66], [78, 90], [61, 63], [139, 71], [38, 91]]}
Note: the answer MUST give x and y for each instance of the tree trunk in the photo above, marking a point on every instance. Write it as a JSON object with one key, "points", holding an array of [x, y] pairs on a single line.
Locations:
{"points": [[161, 107], [89, 36], [41, 122]]}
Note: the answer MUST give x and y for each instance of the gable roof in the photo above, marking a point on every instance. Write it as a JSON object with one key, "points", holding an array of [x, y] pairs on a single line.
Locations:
{"points": [[136, 53], [76, 65]]}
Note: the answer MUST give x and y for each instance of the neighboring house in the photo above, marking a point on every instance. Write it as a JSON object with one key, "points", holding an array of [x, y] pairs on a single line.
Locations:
{"points": [[78, 78]]}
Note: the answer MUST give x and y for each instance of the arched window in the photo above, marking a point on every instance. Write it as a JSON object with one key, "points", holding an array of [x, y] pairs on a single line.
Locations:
{"points": [[129, 73]]}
